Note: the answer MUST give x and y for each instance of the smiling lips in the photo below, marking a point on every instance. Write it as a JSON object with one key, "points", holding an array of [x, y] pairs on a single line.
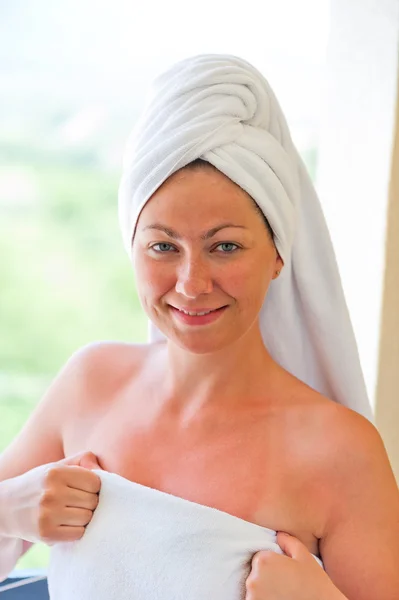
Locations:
{"points": [[197, 311], [198, 317]]}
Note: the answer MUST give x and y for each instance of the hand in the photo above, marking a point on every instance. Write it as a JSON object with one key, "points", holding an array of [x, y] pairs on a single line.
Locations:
{"points": [[296, 576], [53, 502]]}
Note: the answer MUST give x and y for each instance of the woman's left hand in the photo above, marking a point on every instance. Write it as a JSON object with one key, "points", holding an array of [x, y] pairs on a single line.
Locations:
{"points": [[296, 576]]}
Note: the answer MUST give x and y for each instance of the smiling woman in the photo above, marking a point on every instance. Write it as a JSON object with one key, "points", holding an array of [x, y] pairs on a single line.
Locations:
{"points": [[212, 263], [187, 457]]}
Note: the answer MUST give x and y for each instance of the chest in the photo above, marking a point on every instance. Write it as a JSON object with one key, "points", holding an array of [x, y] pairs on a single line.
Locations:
{"points": [[248, 467]]}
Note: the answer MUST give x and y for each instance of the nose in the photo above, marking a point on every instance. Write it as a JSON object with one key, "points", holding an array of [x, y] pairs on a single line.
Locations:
{"points": [[194, 277]]}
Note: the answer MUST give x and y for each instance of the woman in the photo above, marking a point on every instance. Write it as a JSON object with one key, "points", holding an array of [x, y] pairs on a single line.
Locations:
{"points": [[250, 398]]}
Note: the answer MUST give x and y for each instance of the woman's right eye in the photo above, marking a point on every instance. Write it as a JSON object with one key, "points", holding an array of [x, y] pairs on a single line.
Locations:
{"points": [[162, 246]]}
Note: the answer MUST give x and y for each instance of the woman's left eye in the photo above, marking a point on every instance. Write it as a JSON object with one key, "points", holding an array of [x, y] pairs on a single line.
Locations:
{"points": [[228, 244]]}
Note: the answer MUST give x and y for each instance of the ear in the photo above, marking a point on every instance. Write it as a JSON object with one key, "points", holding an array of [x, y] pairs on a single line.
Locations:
{"points": [[279, 262], [278, 265]]}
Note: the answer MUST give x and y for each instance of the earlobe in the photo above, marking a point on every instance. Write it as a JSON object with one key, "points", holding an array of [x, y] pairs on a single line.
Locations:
{"points": [[279, 263], [279, 266]]}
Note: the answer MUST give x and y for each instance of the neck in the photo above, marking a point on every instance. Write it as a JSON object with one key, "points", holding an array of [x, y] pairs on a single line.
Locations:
{"points": [[236, 377]]}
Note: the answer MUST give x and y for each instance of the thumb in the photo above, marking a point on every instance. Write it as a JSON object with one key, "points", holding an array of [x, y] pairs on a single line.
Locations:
{"points": [[90, 461], [87, 460], [291, 546]]}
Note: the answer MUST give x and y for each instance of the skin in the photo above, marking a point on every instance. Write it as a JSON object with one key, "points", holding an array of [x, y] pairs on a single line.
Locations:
{"points": [[207, 365]]}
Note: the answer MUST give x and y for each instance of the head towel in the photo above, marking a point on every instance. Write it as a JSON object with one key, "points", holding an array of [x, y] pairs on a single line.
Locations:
{"points": [[220, 108]]}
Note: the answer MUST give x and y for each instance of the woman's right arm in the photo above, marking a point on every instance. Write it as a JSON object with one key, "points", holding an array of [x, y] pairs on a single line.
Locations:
{"points": [[38, 443]]}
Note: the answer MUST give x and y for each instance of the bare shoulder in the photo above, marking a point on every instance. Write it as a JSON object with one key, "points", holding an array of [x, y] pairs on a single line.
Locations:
{"points": [[342, 420], [357, 458], [100, 369], [348, 442], [114, 353], [96, 366], [340, 448], [361, 507], [108, 359]]}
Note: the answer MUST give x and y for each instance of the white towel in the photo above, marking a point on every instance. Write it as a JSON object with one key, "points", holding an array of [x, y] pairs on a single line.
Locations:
{"points": [[221, 109], [143, 543]]}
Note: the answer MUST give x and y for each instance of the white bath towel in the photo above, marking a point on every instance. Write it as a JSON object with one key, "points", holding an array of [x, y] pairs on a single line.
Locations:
{"points": [[145, 544], [221, 109]]}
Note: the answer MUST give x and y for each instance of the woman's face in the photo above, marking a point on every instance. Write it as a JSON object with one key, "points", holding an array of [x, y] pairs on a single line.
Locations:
{"points": [[200, 245]]}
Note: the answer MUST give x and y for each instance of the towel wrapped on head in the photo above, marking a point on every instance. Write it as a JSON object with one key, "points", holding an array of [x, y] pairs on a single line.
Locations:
{"points": [[221, 109]]}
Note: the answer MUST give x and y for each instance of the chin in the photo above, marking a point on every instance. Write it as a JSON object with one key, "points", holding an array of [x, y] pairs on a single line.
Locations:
{"points": [[199, 342]]}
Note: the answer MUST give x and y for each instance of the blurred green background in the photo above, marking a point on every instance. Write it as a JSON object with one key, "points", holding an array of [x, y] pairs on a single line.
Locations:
{"points": [[65, 279]]}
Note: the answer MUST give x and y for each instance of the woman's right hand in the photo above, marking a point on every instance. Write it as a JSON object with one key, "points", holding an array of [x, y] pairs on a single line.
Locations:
{"points": [[53, 502]]}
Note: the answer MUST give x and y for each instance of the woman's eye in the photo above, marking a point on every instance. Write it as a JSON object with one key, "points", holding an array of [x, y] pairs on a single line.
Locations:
{"points": [[163, 247], [227, 247]]}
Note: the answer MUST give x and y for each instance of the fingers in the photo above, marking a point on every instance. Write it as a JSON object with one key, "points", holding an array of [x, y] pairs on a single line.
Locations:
{"points": [[79, 499], [74, 477], [83, 479], [76, 517], [70, 534], [67, 524]]}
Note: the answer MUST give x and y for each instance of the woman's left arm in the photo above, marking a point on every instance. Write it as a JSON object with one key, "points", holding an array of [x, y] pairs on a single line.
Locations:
{"points": [[360, 548], [360, 545]]}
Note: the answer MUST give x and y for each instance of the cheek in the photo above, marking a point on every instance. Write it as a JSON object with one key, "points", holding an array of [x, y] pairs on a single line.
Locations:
{"points": [[152, 279], [248, 283], [233, 281], [247, 277]]}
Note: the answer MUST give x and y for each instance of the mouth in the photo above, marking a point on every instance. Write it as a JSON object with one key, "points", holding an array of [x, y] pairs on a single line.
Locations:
{"points": [[197, 312], [199, 316]]}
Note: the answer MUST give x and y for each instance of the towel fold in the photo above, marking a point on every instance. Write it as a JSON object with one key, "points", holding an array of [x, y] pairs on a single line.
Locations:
{"points": [[143, 543]]}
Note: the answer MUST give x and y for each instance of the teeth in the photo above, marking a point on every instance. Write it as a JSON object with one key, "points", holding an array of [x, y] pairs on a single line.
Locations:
{"points": [[193, 314]]}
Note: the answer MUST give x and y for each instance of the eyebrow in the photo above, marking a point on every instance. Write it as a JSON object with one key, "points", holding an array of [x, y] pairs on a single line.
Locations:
{"points": [[205, 236]]}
